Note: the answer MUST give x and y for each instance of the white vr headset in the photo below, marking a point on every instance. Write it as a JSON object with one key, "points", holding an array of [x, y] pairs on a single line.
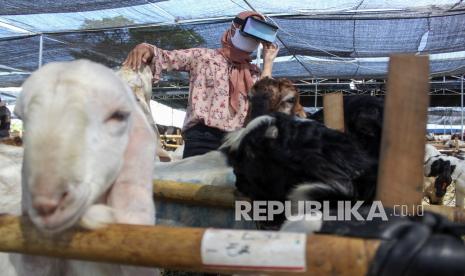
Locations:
{"points": [[252, 32]]}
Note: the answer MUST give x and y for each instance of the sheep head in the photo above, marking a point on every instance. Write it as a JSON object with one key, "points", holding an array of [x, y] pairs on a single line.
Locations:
{"points": [[139, 81], [80, 120], [274, 95]]}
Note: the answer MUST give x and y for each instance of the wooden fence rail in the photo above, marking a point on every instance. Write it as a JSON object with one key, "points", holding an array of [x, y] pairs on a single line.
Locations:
{"points": [[175, 248], [225, 197], [181, 248]]}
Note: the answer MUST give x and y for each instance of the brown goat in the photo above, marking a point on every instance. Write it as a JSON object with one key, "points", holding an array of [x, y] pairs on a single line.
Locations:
{"points": [[274, 95]]}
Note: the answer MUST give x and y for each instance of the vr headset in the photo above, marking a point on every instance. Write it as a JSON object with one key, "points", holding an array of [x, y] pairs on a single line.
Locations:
{"points": [[257, 29]]}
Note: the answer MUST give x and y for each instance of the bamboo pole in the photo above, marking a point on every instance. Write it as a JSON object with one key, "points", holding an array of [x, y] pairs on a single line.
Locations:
{"points": [[454, 214], [333, 109], [400, 175], [172, 146], [176, 248], [174, 136], [224, 197], [218, 196]]}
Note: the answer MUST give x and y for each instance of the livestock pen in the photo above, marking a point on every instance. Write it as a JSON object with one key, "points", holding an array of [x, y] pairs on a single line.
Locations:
{"points": [[188, 248], [407, 55]]}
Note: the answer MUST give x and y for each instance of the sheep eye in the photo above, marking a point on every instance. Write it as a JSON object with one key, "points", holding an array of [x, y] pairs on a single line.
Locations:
{"points": [[119, 116]]}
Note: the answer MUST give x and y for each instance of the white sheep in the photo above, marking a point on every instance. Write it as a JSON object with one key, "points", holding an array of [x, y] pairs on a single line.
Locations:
{"points": [[11, 158], [454, 143], [430, 152], [88, 160], [210, 169], [456, 174], [140, 82], [10, 192]]}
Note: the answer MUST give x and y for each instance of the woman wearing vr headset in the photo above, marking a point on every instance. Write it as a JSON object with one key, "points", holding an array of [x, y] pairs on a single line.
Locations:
{"points": [[219, 79]]}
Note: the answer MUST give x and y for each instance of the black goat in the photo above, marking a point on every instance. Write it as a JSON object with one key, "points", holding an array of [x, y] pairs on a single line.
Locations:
{"points": [[276, 153], [363, 120]]}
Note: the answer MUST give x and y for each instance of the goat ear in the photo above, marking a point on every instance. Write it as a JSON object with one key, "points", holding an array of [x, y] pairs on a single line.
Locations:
{"points": [[272, 132], [298, 110], [132, 193]]}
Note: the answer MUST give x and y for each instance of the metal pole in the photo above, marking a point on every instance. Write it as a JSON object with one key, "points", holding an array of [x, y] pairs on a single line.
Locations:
{"points": [[316, 92], [41, 46], [461, 105]]}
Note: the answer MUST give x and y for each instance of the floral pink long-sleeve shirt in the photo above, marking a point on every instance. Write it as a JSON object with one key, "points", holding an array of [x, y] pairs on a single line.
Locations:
{"points": [[209, 86]]}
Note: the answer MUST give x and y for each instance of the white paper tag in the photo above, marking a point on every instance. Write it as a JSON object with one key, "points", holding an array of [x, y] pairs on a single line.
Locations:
{"points": [[244, 249]]}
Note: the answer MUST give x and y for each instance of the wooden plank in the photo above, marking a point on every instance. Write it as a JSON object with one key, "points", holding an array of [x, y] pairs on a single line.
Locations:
{"points": [[333, 108], [171, 247], [400, 176]]}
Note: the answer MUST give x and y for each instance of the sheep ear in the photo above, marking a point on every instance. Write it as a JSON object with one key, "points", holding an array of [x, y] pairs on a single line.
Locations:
{"points": [[28, 93], [132, 193], [20, 106], [18, 111]]}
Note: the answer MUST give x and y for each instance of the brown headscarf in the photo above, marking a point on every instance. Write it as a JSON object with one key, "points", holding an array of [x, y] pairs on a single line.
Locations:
{"points": [[240, 78]]}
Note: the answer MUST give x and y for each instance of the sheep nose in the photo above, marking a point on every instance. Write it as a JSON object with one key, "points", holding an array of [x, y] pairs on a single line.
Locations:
{"points": [[46, 206]]}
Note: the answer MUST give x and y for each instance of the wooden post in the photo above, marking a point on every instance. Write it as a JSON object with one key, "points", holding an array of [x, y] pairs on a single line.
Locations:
{"points": [[333, 109], [217, 196], [400, 175], [171, 247], [457, 143]]}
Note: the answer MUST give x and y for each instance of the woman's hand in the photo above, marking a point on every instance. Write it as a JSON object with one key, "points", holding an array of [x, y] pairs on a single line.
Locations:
{"points": [[270, 51], [142, 53]]}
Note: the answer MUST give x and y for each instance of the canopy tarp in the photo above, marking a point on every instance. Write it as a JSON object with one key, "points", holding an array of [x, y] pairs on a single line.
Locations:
{"points": [[317, 39]]}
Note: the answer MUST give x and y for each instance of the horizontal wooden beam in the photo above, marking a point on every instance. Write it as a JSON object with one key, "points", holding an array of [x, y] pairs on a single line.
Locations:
{"points": [[175, 248], [172, 146], [218, 196], [173, 136], [454, 214], [222, 196]]}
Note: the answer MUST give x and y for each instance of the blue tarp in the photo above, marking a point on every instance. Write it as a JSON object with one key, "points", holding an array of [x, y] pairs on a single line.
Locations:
{"points": [[318, 39]]}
